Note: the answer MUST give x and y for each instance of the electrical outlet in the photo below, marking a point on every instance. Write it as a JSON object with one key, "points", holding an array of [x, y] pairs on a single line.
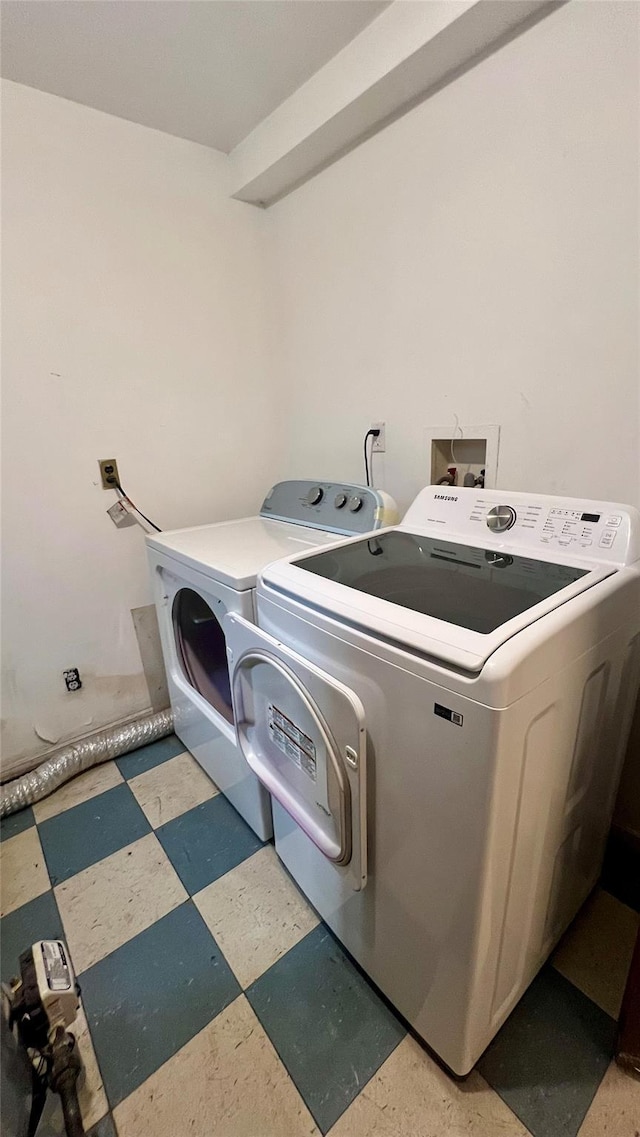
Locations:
{"points": [[108, 473], [72, 679], [379, 444]]}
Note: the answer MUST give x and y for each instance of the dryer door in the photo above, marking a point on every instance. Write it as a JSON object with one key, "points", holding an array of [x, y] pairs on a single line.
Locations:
{"points": [[303, 734]]}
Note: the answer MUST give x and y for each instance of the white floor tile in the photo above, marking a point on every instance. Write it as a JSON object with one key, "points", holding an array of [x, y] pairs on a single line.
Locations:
{"points": [[226, 1081], [595, 954], [615, 1110], [172, 788], [411, 1096], [82, 788], [91, 1092], [256, 914], [23, 870], [115, 899]]}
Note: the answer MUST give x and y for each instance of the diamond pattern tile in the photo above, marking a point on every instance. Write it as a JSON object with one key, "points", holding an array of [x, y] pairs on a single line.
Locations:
{"points": [[115, 899], [196, 952], [207, 842], [81, 836], [39, 919], [550, 1056], [256, 914], [16, 823], [327, 1023], [146, 757], [23, 870], [170, 789], [244, 1090], [149, 997]]}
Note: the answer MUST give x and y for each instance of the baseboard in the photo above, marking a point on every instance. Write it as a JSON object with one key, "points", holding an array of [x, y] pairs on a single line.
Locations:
{"points": [[19, 766]]}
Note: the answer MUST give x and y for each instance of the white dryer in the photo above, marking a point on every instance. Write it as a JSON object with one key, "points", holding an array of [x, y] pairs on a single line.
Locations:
{"points": [[440, 713], [201, 574]]}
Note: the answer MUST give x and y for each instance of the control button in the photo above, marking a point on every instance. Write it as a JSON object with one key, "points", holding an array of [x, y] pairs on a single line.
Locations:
{"points": [[613, 520], [315, 495], [586, 541], [355, 503], [607, 539], [340, 500], [500, 518]]}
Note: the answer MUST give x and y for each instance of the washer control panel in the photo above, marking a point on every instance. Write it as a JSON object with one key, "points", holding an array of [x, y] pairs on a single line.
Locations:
{"points": [[582, 527], [335, 506], [601, 531]]}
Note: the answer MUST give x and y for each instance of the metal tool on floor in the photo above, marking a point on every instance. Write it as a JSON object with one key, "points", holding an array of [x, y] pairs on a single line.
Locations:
{"points": [[39, 1006]]}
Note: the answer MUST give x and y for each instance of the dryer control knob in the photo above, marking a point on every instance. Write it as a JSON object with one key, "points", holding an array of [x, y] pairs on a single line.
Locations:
{"points": [[315, 495], [355, 503], [340, 500], [501, 518]]}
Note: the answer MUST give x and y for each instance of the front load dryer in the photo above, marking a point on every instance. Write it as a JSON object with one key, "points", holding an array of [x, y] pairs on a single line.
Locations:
{"points": [[201, 574], [439, 712]]}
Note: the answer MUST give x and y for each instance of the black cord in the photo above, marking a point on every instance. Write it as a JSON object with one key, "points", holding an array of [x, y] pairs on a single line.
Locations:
{"points": [[133, 504], [373, 433]]}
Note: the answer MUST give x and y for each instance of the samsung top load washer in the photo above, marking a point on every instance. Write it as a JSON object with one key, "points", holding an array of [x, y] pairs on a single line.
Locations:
{"points": [[440, 713], [202, 573]]}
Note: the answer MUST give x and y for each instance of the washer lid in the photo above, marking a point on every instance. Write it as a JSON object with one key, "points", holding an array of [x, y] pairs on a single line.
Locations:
{"points": [[447, 599], [234, 552]]}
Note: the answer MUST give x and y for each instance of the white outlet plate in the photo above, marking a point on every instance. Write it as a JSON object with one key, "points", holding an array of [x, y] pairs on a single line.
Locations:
{"points": [[379, 444]]}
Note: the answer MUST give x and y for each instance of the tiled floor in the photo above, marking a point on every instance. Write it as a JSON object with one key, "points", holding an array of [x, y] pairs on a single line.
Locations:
{"points": [[216, 1003]]}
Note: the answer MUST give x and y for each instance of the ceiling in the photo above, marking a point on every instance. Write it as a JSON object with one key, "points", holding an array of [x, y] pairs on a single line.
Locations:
{"points": [[207, 70]]}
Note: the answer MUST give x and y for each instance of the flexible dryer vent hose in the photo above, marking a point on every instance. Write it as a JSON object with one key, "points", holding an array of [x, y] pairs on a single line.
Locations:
{"points": [[80, 756]]}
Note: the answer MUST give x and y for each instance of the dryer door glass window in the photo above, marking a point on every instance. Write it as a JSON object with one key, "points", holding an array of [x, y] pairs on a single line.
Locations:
{"points": [[202, 649]]}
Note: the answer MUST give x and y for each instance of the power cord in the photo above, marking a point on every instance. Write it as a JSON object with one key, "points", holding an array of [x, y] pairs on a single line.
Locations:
{"points": [[373, 433], [134, 506]]}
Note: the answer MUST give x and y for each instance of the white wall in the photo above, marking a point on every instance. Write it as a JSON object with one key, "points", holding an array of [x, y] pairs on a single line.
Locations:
{"points": [[479, 257], [134, 326]]}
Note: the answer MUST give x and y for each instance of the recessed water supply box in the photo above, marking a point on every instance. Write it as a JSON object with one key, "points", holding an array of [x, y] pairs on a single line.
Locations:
{"points": [[465, 448]]}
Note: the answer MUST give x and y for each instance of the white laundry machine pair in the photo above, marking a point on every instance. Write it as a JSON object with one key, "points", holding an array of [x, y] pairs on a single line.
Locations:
{"points": [[201, 574], [440, 712]]}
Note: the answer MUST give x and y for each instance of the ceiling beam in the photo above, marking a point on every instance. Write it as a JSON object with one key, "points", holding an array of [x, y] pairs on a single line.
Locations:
{"points": [[408, 53]]}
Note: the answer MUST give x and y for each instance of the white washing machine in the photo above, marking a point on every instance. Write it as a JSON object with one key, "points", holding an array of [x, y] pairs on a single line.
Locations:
{"points": [[440, 714], [201, 574]]}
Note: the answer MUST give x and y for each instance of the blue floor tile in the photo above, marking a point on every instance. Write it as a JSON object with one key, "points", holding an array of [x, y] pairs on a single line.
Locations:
{"points": [[91, 831], [103, 1128], [150, 996], [550, 1056], [37, 920], [206, 842], [16, 823], [146, 757], [329, 1026]]}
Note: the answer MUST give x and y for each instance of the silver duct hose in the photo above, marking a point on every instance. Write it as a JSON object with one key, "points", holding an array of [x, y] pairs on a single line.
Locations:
{"points": [[80, 756]]}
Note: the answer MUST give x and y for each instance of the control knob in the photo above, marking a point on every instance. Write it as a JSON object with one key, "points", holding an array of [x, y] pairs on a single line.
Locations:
{"points": [[501, 518], [315, 495], [355, 503], [340, 500]]}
